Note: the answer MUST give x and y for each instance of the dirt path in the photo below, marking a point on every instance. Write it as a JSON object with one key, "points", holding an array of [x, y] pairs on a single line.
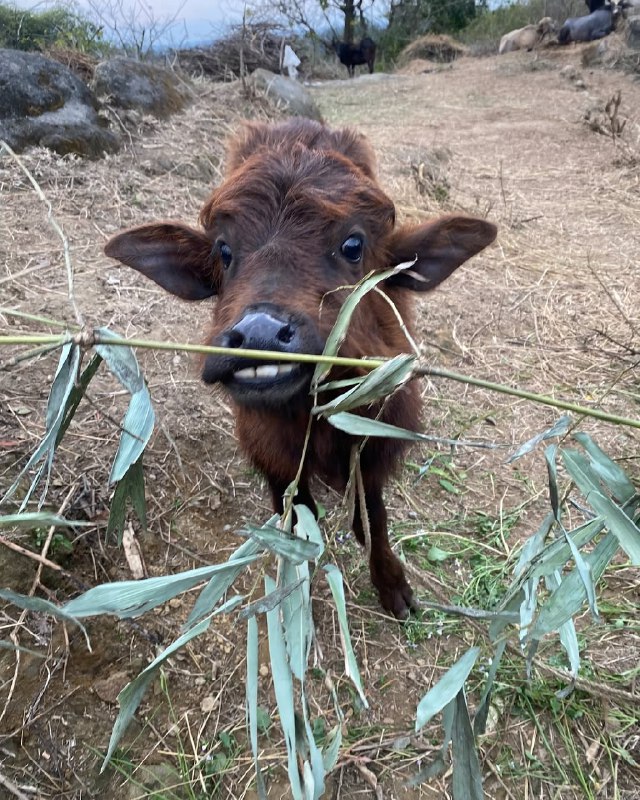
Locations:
{"points": [[551, 307]]}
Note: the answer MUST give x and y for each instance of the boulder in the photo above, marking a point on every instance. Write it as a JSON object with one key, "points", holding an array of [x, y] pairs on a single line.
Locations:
{"points": [[139, 85], [286, 93], [43, 103]]}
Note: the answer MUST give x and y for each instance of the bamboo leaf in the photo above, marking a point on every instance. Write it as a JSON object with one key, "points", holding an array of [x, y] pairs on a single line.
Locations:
{"points": [[446, 689], [283, 687], [269, 601], [624, 528], [607, 470], [552, 473], [380, 382], [559, 428], [334, 578], [341, 326], [42, 606], [237, 562], [252, 701], [363, 426], [61, 388], [307, 527], [331, 749], [567, 631], [283, 544], [569, 597], [139, 419], [129, 487], [128, 599], [38, 519], [137, 428], [466, 782], [132, 694], [482, 711], [77, 393]]}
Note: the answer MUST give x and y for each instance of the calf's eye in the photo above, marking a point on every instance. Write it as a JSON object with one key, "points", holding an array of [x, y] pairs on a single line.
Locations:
{"points": [[225, 254], [352, 248]]}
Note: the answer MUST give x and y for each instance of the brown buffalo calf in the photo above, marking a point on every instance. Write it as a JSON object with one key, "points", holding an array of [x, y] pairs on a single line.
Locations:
{"points": [[300, 214]]}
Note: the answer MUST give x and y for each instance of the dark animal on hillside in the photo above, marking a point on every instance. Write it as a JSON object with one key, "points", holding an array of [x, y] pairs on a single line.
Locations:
{"points": [[590, 27], [594, 5], [351, 55], [299, 217]]}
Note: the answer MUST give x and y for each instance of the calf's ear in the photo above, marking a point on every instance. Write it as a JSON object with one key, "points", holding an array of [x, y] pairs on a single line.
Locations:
{"points": [[439, 247], [175, 256]]}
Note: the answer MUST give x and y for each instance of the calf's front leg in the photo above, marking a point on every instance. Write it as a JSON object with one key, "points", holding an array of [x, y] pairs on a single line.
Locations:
{"points": [[387, 573]]}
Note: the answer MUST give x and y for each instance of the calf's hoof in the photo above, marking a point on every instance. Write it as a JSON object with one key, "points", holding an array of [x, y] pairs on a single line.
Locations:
{"points": [[396, 596]]}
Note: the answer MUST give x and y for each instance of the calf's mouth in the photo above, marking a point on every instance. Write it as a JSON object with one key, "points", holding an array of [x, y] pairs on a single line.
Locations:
{"points": [[259, 383]]}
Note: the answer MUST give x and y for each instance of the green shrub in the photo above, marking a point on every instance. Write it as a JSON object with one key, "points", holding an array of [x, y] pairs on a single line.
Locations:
{"points": [[21, 29]]}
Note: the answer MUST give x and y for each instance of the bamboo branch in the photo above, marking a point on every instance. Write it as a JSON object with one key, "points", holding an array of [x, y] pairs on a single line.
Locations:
{"points": [[90, 338]]}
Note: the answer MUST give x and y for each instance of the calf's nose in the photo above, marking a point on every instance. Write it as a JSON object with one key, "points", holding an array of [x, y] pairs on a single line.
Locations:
{"points": [[260, 329]]}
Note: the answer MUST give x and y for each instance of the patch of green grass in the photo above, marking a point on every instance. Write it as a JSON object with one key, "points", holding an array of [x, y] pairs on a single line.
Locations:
{"points": [[60, 545], [443, 469]]}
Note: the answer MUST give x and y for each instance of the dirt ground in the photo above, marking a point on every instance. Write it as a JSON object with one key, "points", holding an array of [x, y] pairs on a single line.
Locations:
{"points": [[552, 307]]}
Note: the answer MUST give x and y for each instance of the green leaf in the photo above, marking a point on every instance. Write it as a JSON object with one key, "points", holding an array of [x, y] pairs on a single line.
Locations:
{"points": [[297, 620], [128, 599], [132, 694], [341, 326], [77, 393], [307, 527], [137, 428], [121, 361], [552, 473], [283, 544], [6, 645], [446, 689], [556, 554], [363, 426], [436, 555], [220, 582], [466, 782], [283, 687], [482, 711], [129, 487], [139, 420], [567, 630], [269, 601], [38, 519], [42, 607], [607, 470], [380, 382], [334, 578], [625, 529], [252, 700], [568, 599], [559, 428], [61, 388], [331, 749]]}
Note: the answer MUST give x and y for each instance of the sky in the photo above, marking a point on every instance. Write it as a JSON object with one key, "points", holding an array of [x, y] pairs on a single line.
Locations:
{"points": [[196, 20]]}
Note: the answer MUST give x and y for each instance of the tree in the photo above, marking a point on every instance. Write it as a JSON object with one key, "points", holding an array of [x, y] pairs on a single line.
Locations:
{"points": [[133, 25], [314, 16]]}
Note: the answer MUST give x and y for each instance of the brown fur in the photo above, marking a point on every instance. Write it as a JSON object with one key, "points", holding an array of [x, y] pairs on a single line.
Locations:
{"points": [[293, 195]]}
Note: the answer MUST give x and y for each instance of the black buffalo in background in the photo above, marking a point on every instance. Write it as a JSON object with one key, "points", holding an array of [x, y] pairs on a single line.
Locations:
{"points": [[353, 54]]}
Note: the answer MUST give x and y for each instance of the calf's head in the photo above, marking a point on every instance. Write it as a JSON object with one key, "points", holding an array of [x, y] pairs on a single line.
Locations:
{"points": [[298, 218]]}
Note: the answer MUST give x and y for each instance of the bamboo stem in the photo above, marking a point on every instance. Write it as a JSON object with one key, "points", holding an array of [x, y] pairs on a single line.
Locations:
{"points": [[88, 339]]}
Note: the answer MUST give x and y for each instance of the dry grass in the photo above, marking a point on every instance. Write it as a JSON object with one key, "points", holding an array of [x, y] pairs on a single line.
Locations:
{"points": [[552, 307], [433, 47]]}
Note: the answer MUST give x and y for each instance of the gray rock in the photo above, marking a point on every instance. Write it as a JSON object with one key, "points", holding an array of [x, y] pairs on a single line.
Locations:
{"points": [[138, 85], [286, 92], [43, 103], [633, 32]]}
